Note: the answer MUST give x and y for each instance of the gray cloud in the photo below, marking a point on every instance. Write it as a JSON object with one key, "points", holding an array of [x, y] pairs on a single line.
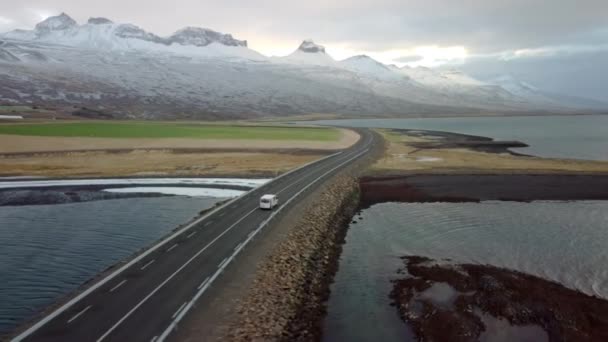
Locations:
{"points": [[408, 59], [480, 25], [583, 73]]}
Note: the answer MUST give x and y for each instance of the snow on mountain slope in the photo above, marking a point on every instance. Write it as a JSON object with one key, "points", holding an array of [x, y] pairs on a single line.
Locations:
{"points": [[309, 53], [369, 66], [199, 73], [439, 78], [530, 92], [102, 33], [514, 86]]}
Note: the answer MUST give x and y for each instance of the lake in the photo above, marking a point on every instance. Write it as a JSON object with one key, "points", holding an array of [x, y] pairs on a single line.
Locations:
{"points": [[48, 251], [577, 137], [565, 242]]}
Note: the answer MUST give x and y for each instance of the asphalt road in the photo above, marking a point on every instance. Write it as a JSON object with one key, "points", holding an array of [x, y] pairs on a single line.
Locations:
{"points": [[146, 298]]}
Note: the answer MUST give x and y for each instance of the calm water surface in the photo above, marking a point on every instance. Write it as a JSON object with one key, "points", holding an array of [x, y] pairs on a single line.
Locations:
{"points": [[47, 251], [562, 241], [578, 137]]}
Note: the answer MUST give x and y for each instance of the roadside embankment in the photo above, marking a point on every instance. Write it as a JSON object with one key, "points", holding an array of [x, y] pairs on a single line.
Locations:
{"points": [[286, 300]]}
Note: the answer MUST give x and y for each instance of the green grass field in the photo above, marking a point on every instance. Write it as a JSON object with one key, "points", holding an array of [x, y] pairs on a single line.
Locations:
{"points": [[169, 130]]}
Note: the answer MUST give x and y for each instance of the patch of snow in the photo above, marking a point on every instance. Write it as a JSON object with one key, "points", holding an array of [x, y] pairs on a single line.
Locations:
{"points": [[180, 191], [428, 159], [11, 117], [251, 183]]}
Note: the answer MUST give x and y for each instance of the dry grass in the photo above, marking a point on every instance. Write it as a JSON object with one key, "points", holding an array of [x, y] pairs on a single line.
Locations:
{"points": [[116, 157], [24, 144], [150, 163], [400, 156]]}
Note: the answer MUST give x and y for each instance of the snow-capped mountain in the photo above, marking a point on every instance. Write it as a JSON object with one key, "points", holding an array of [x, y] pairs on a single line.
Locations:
{"points": [[309, 53], [202, 37], [369, 66], [439, 78], [533, 93], [102, 33], [125, 70]]}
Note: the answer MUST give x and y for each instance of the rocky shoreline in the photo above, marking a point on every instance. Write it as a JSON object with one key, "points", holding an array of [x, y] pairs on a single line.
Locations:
{"points": [[443, 301], [287, 299]]}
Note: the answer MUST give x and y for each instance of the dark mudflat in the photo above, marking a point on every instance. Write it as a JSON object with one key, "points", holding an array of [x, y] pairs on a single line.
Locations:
{"points": [[475, 188], [527, 304]]}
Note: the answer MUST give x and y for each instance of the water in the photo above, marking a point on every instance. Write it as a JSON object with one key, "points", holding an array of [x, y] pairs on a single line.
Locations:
{"points": [[561, 241], [577, 137], [47, 251]]}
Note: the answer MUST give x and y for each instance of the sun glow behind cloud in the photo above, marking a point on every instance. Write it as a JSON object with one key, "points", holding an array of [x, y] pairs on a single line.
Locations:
{"points": [[5, 20]]}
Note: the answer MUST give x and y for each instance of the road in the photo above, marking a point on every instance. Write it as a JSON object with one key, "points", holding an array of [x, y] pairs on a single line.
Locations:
{"points": [[147, 297]]}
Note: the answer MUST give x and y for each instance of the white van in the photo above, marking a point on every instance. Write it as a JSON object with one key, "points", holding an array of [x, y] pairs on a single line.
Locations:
{"points": [[268, 201]]}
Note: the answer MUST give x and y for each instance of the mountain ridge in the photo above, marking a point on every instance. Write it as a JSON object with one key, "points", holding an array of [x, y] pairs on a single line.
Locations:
{"points": [[196, 71]]}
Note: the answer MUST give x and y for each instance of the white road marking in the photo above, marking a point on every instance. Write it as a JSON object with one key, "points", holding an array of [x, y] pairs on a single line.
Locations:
{"points": [[123, 318], [190, 235], [239, 245], [205, 285], [148, 264], [178, 310], [161, 243], [154, 339], [221, 214], [171, 248], [79, 314], [223, 263], [119, 285], [207, 223]]}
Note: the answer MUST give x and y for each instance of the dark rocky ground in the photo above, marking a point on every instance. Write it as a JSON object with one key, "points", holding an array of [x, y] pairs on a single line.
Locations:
{"points": [[486, 301], [73, 194], [20, 197], [475, 188], [457, 140]]}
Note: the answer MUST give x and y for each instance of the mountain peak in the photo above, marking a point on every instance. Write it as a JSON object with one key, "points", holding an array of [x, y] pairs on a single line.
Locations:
{"points": [[198, 36], [309, 46], [99, 21], [56, 23]]}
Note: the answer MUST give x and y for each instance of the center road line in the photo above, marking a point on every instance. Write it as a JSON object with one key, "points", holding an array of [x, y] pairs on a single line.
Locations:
{"points": [[148, 264], [203, 283], [123, 318], [222, 263], [118, 285], [171, 248], [190, 235], [79, 314], [178, 310], [207, 223]]}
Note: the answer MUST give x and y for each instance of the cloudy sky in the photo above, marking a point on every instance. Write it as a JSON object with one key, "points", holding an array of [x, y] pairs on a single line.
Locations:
{"points": [[547, 41]]}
